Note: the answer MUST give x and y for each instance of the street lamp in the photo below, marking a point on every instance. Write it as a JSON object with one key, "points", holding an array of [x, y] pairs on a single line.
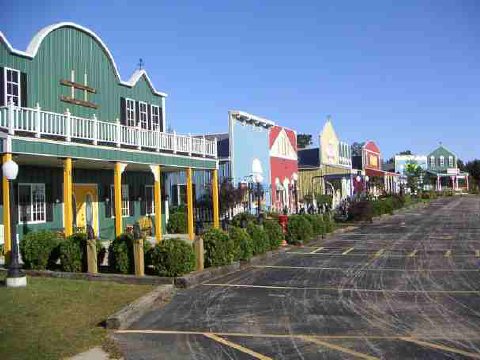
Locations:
{"points": [[15, 276], [295, 179], [258, 178]]}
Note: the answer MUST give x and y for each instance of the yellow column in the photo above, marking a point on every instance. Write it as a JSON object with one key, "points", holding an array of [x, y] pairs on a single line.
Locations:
{"points": [[6, 211], [216, 210], [117, 185], [191, 234], [157, 198], [67, 196]]}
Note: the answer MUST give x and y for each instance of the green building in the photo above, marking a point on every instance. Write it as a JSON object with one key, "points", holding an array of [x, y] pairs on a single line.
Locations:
{"points": [[83, 137], [443, 172]]}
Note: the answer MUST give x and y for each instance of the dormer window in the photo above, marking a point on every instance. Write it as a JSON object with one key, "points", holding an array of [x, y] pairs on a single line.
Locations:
{"points": [[442, 161], [143, 115], [432, 162], [450, 161]]}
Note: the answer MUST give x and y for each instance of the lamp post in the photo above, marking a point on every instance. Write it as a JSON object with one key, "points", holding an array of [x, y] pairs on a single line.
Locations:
{"points": [[295, 193], [258, 180], [15, 276], [367, 179]]}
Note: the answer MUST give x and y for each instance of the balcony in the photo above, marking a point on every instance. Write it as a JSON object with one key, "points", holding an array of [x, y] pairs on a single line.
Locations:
{"points": [[66, 127]]}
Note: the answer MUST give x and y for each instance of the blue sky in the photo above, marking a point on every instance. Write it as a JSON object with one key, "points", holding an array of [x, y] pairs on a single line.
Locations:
{"points": [[403, 73]]}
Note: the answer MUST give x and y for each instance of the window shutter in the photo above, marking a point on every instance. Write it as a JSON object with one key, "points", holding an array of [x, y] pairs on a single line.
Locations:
{"points": [[137, 113], [160, 116], [2, 87], [23, 90], [123, 111], [109, 204], [143, 203], [149, 117], [48, 203], [131, 201]]}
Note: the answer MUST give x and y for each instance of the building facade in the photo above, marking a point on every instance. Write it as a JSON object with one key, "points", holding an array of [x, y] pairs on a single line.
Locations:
{"points": [[284, 168], [83, 138], [443, 172]]}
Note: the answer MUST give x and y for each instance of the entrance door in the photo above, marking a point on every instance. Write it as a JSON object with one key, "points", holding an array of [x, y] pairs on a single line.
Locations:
{"points": [[86, 206]]}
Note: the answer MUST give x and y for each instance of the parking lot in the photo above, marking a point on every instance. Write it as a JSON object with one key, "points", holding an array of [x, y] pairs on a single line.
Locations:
{"points": [[404, 287]]}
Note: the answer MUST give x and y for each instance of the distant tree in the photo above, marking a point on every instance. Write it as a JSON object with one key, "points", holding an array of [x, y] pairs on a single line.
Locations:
{"points": [[461, 165], [405, 152], [414, 173], [304, 141], [357, 148], [230, 196], [473, 168]]}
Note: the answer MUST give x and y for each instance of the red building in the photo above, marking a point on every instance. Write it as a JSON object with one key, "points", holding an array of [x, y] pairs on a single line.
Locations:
{"points": [[283, 167]]}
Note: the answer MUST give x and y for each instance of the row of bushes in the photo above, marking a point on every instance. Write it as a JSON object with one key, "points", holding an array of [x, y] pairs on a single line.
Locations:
{"points": [[366, 209], [302, 228]]}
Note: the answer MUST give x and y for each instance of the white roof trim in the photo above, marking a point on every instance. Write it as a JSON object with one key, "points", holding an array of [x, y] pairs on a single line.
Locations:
{"points": [[36, 41]]}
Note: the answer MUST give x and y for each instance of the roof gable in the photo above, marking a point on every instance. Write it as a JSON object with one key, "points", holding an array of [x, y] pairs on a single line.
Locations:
{"points": [[282, 146], [372, 146]]}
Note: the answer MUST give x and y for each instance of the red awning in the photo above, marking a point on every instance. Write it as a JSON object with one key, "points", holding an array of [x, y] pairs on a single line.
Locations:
{"points": [[374, 172]]}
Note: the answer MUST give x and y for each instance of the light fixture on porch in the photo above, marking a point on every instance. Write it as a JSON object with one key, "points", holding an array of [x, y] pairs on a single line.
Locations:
{"points": [[15, 276]]}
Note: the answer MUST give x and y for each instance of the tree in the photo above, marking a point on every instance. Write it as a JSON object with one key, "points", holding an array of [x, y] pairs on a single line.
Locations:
{"points": [[304, 141], [230, 196], [357, 148], [414, 173], [473, 168], [405, 152]]}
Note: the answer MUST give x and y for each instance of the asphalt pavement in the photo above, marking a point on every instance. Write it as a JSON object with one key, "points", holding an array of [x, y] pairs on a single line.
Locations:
{"points": [[406, 287]]}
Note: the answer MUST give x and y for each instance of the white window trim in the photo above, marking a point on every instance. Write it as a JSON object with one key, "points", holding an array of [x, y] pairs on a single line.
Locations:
{"points": [[432, 162], [124, 191], [134, 110], [5, 69], [31, 204], [153, 200], [179, 203], [140, 113], [151, 116], [450, 161], [442, 161]]}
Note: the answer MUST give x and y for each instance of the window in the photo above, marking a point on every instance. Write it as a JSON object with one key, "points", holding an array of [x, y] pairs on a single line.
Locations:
{"points": [[155, 112], [450, 161], [143, 115], [442, 161], [130, 112], [31, 203], [149, 200], [125, 202], [432, 162], [12, 86]]}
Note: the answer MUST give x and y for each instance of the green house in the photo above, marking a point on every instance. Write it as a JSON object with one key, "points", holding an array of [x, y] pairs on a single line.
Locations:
{"points": [[443, 172], [83, 137]]}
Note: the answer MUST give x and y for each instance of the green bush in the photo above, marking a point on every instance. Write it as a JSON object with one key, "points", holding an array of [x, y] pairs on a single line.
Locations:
{"points": [[328, 223], [121, 254], [361, 211], [242, 243], [249, 218], [39, 249], [299, 229], [177, 223], [274, 232], [72, 251], [172, 257], [318, 224], [219, 248], [260, 240]]}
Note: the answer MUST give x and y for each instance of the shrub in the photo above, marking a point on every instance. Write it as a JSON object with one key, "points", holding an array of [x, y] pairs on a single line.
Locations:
{"points": [[259, 237], [328, 223], [39, 249], [219, 248], [242, 243], [177, 223], [318, 224], [173, 257], [274, 232], [299, 229], [245, 216], [73, 253], [121, 254], [361, 211]]}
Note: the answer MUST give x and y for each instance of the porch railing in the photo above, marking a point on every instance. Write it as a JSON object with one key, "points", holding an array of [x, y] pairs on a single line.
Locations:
{"points": [[71, 128]]}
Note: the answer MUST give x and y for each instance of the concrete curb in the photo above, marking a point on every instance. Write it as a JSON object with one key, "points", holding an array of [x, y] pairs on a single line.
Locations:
{"points": [[129, 314], [197, 277], [118, 278]]}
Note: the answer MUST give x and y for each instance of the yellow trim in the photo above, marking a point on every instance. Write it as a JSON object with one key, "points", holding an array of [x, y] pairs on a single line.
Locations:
{"points": [[81, 191], [67, 196], [157, 196], [191, 234], [216, 210], [6, 211], [117, 184], [236, 346], [338, 348]]}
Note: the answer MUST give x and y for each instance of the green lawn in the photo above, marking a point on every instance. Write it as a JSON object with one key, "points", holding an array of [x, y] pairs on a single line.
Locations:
{"points": [[55, 318]]}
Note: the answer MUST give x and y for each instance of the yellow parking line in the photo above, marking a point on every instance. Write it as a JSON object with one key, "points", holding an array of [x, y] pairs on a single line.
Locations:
{"points": [[413, 253], [317, 250], [379, 253], [347, 251], [338, 348], [441, 347], [286, 267], [448, 253], [236, 346]]}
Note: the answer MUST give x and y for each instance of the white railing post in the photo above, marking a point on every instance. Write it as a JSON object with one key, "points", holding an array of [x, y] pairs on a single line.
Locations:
{"points": [[159, 138], [139, 136], [95, 129], [11, 117], [38, 130], [174, 142], [190, 144], [68, 125], [204, 146], [119, 134], [215, 148]]}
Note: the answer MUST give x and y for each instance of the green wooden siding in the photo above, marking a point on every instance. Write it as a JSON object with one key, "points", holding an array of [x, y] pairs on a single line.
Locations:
{"points": [[437, 153], [21, 146], [66, 49]]}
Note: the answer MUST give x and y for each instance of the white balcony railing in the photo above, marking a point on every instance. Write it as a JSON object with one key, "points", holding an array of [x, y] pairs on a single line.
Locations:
{"points": [[74, 129]]}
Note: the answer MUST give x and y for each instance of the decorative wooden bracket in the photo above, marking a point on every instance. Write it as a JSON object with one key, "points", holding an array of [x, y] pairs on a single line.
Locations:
{"points": [[78, 86], [68, 99]]}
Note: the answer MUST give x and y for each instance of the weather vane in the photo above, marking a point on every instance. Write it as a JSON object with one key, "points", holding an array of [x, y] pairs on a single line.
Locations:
{"points": [[140, 64]]}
